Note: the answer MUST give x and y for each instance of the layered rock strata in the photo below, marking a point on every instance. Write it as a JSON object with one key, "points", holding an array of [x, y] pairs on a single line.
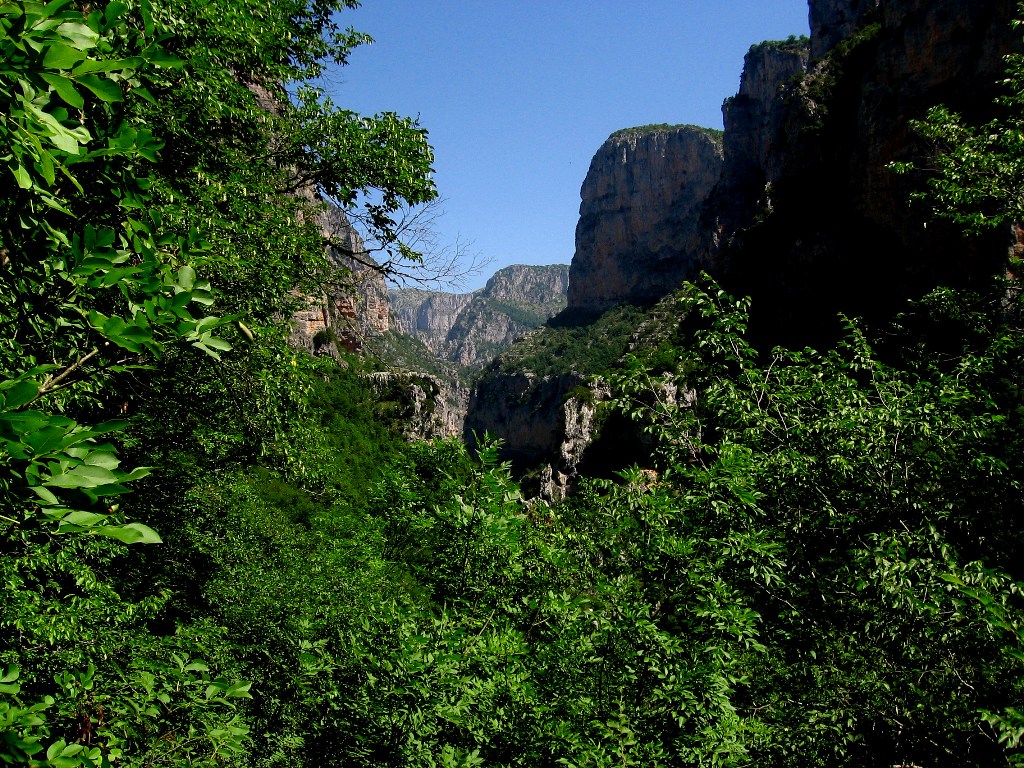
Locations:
{"points": [[352, 302]]}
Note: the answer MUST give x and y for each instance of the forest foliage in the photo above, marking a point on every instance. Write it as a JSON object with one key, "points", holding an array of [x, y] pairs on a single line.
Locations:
{"points": [[819, 564]]}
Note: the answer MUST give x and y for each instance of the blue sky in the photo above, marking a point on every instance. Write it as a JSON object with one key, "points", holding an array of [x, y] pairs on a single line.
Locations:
{"points": [[518, 96]]}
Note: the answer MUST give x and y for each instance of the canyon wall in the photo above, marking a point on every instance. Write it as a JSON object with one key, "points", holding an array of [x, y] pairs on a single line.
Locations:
{"points": [[469, 329], [797, 206], [352, 303], [638, 234], [840, 233]]}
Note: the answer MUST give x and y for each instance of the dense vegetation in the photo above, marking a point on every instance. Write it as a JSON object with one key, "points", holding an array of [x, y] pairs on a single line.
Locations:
{"points": [[820, 565]]}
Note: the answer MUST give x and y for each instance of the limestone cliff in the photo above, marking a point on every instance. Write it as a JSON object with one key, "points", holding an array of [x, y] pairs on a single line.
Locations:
{"points": [[639, 231], [835, 20], [796, 206], [471, 328], [352, 303], [841, 234], [427, 315], [755, 140]]}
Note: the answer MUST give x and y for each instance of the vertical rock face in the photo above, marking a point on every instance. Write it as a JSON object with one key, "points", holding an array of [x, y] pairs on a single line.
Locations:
{"points": [[428, 315], [639, 232], [755, 140], [835, 20], [522, 284], [471, 328], [353, 302], [840, 234], [425, 407]]}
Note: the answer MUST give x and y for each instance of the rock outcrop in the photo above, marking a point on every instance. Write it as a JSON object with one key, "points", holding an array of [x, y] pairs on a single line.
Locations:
{"points": [[423, 406], [639, 233], [524, 410], [352, 303], [835, 20], [797, 207], [469, 329]]}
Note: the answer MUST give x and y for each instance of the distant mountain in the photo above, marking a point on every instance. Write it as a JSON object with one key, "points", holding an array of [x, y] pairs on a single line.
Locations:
{"points": [[469, 329]]}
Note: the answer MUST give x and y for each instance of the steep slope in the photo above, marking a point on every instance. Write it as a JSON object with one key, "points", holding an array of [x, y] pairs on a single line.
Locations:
{"points": [[802, 213], [639, 231], [471, 328]]}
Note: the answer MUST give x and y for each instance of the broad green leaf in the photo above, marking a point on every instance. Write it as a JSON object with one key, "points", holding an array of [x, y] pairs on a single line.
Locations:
{"points": [[21, 393], [83, 476], [147, 17], [22, 177], [82, 519], [186, 277], [107, 65], [51, 9], [45, 167], [132, 533], [62, 56], [103, 459], [215, 342], [65, 89], [114, 11], [45, 494], [46, 439], [106, 90], [79, 35]]}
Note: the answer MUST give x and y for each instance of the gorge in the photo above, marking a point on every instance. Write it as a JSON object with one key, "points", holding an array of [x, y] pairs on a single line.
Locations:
{"points": [[795, 205]]}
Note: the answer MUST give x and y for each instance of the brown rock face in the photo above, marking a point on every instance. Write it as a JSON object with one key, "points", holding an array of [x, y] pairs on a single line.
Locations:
{"points": [[639, 232], [353, 302]]}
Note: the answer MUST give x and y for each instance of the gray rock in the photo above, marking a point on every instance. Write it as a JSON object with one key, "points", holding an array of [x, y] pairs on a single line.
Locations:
{"points": [[639, 233]]}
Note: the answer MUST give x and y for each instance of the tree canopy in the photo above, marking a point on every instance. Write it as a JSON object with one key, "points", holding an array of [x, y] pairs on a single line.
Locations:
{"points": [[818, 563]]}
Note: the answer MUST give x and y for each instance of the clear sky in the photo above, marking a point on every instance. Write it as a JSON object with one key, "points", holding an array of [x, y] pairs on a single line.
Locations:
{"points": [[519, 94]]}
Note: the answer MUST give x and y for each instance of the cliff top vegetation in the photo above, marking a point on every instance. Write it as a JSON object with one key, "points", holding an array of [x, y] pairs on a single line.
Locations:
{"points": [[792, 44], [645, 130]]}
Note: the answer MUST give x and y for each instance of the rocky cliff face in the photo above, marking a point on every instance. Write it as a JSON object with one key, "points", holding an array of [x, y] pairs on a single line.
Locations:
{"points": [[835, 20], [424, 406], [427, 315], [756, 140], [639, 232], [353, 302], [471, 328], [797, 207], [840, 230]]}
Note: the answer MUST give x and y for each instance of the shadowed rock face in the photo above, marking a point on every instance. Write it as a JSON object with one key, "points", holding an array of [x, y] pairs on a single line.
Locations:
{"points": [[835, 20], [639, 231], [840, 234], [756, 141]]}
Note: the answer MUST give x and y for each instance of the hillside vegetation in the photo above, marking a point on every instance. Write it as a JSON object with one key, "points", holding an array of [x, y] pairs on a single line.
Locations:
{"points": [[215, 552]]}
